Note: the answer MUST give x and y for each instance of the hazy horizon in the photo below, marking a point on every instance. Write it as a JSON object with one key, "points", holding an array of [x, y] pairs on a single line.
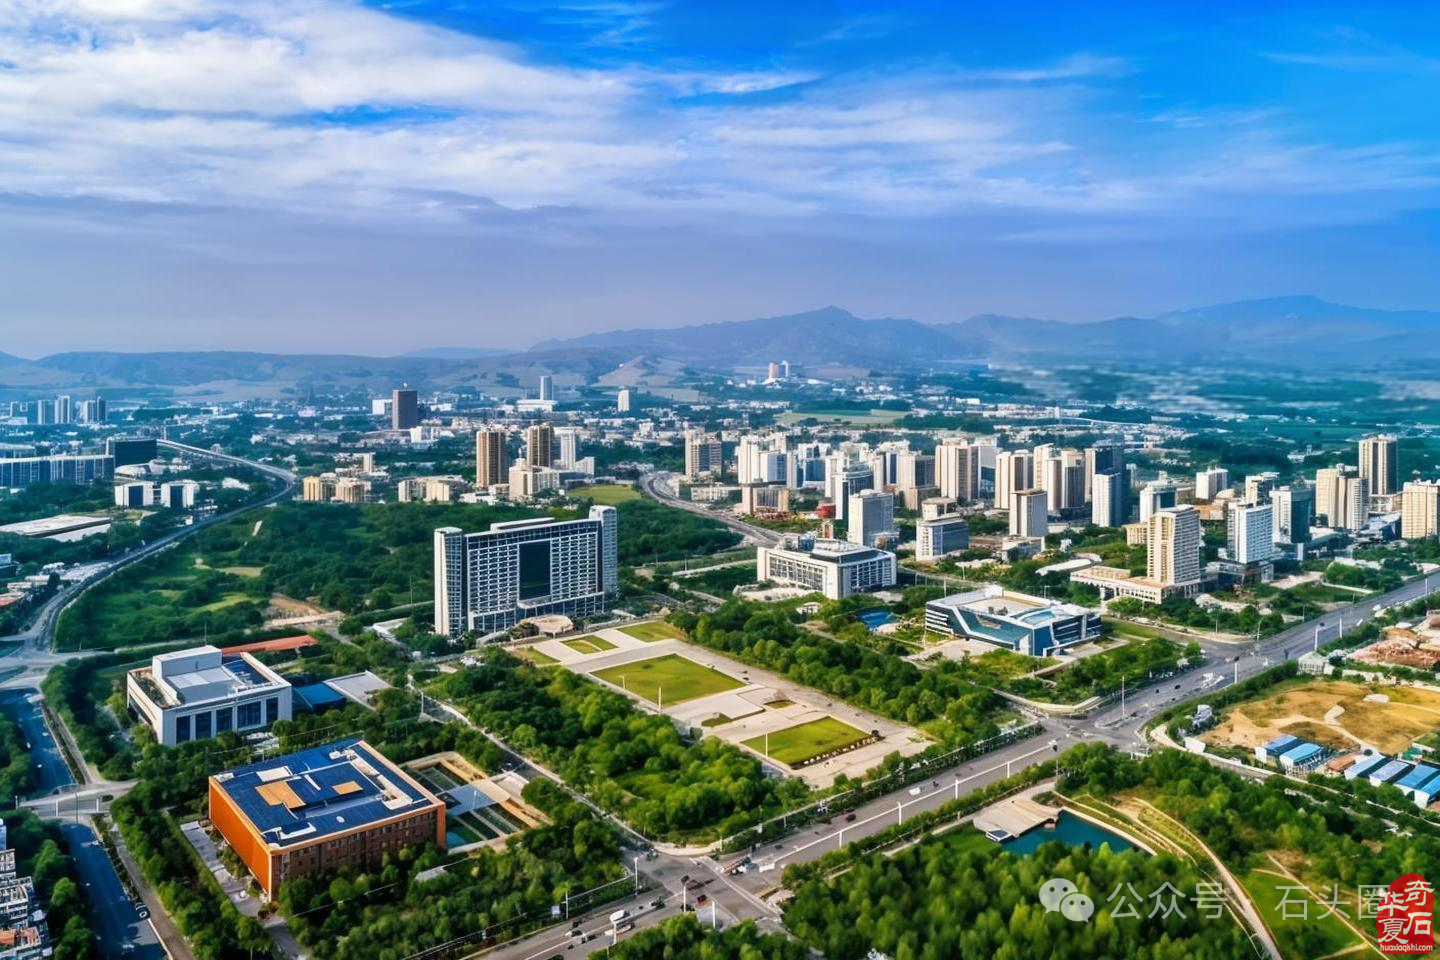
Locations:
{"points": [[339, 177]]}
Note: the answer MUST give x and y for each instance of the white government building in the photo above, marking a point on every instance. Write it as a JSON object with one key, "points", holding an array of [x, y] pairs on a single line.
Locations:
{"points": [[202, 692], [835, 568]]}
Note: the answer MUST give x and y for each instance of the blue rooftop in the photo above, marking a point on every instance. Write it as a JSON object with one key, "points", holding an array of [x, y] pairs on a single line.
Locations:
{"points": [[1366, 764], [1301, 752], [1430, 787], [1416, 777], [316, 695], [320, 791], [1282, 743], [1391, 772]]}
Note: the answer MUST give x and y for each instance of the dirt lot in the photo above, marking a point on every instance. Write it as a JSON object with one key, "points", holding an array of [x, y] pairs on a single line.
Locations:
{"points": [[1338, 714]]}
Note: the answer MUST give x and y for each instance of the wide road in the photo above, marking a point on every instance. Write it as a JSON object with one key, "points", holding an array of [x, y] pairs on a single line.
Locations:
{"points": [[23, 707], [121, 931], [661, 486]]}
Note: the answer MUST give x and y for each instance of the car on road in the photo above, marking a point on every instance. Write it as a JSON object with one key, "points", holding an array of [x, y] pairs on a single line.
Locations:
{"points": [[849, 818]]}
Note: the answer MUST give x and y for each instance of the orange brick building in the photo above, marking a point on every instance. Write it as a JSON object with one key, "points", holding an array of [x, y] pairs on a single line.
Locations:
{"points": [[342, 804]]}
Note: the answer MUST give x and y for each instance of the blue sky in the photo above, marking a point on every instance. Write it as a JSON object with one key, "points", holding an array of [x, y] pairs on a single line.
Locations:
{"points": [[329, 175]]}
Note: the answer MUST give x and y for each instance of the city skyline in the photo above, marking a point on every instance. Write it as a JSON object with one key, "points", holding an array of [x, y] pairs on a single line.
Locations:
{"points": [[238, 176]]}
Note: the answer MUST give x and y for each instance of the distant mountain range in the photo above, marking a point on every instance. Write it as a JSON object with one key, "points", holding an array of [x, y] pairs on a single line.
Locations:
{"points": [[1279, 332]]}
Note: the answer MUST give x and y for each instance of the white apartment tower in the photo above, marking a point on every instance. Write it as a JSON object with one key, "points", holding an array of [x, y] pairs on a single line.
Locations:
{"points": [[1420, 513], [1378, 465], [1107, 504], [1014, 470], [1250, 532], [957, 469], [1172, 543], [870, 517], [1029, 513], [1209, 483]]}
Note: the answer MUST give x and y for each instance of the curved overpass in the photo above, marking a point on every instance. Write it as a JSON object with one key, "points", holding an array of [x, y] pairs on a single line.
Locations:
{"points": [[659, 486]]}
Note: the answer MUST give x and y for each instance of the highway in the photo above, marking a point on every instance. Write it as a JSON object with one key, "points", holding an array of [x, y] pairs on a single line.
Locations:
{"points": [[661, 486]]}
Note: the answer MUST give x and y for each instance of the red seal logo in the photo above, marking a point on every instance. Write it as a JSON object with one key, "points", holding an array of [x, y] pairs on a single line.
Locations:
{"points": [[1404, 917]]}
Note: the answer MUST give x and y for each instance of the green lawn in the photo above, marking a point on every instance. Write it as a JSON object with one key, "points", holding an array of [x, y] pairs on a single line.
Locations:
{"points": [[1310, 937], [589, 644], [607, 493], [652, 631], [672, 677], [805, 740], [536, 657]]}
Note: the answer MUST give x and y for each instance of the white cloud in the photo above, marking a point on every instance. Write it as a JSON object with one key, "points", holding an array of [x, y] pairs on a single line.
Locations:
{"points": [[326, 105]]}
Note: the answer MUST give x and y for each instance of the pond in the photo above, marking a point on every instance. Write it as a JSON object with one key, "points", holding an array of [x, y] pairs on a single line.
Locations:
{"points": [[1069, 829]]}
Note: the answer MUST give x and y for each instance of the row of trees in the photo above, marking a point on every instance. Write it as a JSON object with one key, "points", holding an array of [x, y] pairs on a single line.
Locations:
{"points": [[939, 699], [634, 764], [960, 896]]}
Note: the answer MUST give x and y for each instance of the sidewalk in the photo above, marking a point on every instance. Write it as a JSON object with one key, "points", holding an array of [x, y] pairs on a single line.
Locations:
{"points": [[172, 939]]}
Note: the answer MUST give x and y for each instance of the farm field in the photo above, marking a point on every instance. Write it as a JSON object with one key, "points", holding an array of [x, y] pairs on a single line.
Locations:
{"points": [[672, 677], [803, 741]]}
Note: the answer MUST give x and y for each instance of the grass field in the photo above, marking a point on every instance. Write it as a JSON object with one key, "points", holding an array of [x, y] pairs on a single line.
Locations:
{"points": [[805, 740], [652, 631], [672, 677], [1322, 937], [869, 418], [589, 644], [536, 657], [607, 493]]}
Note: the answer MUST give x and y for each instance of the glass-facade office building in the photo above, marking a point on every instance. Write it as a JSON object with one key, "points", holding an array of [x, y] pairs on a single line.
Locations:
{"points": [[492, 580]]}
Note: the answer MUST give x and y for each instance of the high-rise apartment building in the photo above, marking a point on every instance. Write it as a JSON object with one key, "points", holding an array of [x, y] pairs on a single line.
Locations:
{"points": [[703, 455], [491, 463], [1250, 532], [957, 469], [567, 447], [1378, 465], [1108, 506], [1420, 512], [914, 470], [1342, 498], [524, 568], [1172, 544], [539, 445], [624, 399], [1294, 512], [1014, 470], [1105, 458], [1209, 483], [1029, 513], [547, 387], [64, 409], [1156, 496], [404, 409], [870, 518], [1258, 487], [851, 480]]}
